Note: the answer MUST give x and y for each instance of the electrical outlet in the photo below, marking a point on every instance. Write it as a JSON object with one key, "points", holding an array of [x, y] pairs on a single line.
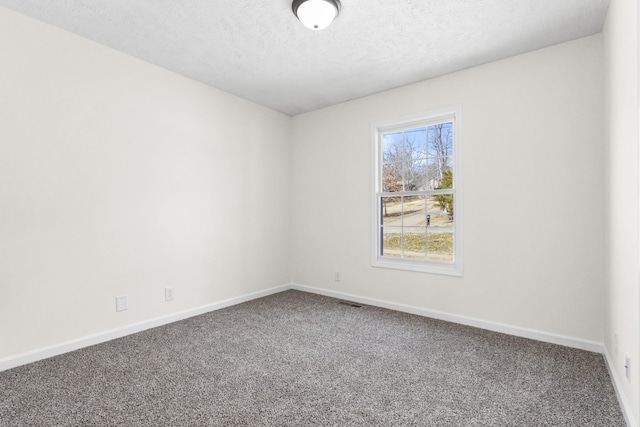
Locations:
{"points": [[169, 293], [627, 367], [337, 276], [121, 303]]}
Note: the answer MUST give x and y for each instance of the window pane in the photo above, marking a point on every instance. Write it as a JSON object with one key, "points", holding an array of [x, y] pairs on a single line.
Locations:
{"points": [[440, 173], [440, 138], [414, 211], [415, 242], [415, 173], [440, 246], [440, 211], [391, 211], [392, 147], [415, 144], [391, 177], [392, 241]]}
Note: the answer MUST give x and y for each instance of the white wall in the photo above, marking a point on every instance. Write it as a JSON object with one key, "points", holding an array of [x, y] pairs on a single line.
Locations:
{"points": [[621, 136], [533, 195], [119, 177]]}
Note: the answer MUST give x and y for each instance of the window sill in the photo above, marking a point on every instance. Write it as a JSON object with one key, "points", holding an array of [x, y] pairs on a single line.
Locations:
{"points": [[448, 269]]}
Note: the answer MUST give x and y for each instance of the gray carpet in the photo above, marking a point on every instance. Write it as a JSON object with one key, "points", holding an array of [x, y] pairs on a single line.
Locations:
{"points": [[298, 359]]}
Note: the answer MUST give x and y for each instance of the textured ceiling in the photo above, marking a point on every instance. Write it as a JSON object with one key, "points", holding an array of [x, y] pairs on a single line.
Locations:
{"points": [[257, 49]]}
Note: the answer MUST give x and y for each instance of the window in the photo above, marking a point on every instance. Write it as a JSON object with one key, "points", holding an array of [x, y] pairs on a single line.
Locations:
{"points": [[417, 198]]}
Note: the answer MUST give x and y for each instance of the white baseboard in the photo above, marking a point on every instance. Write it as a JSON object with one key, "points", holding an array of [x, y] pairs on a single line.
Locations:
{"points": [[76, 344], [564, 340], [64, 347], [624, 403]]}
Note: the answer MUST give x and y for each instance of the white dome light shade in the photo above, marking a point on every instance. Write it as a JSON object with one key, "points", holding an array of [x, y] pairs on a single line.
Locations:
{"points": [[316, 14]]}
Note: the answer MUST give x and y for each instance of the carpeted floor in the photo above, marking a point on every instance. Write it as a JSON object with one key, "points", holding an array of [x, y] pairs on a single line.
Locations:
{"points": [[298, 359]]}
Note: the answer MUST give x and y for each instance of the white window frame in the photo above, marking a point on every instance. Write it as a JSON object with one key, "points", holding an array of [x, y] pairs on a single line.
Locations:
{"points": [[427, 118]]}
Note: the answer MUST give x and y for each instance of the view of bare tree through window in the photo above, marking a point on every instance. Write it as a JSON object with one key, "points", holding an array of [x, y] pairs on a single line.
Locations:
{"points": [[417, 222]]}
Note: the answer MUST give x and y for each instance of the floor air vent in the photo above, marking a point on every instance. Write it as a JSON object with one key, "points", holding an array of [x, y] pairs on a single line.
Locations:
{"points": [[352, 304]]}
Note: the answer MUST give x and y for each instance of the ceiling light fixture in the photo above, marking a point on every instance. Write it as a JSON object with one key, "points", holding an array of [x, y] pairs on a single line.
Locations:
{"points": [[316, 14]]}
